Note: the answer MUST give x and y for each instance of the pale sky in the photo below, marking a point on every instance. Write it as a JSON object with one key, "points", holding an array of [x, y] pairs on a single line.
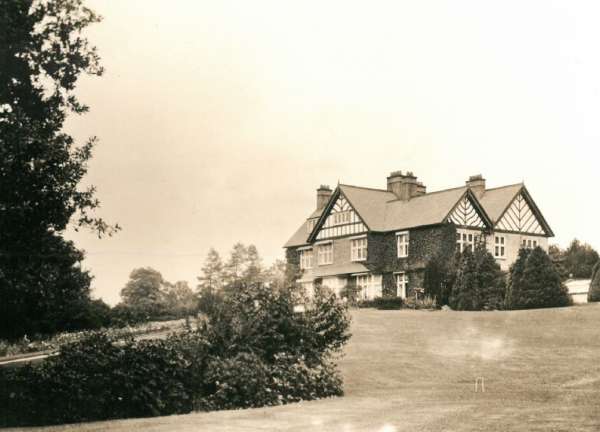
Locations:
{"points": [[218, 120]]}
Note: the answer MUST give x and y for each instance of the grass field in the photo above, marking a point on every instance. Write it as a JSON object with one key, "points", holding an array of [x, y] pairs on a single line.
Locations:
{"points": [[415, 371]]}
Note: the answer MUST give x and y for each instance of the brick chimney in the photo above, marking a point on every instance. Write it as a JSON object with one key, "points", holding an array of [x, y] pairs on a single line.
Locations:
{"points": [[323, 194], [405, 186], [477, 184]]}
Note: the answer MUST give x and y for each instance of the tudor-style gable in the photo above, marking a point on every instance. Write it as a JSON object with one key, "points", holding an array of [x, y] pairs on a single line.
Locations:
{"points": [[338, 219], [523, 216], [468, 213]]}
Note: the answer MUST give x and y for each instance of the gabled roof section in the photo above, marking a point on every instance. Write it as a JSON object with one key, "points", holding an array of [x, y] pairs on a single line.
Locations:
{"points": [[369, 203], [323, 223], [429, 209], [495, 201], [300, 237], [468, 212], [522, 214]]}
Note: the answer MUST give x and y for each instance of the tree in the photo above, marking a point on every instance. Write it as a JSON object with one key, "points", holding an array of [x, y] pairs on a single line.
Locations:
{"points": [[275, 275], [479, 282], [254, 271], [594, 291], [579, 260], [491, 281], [464, 290], [244, 264], [42, 54], [212, 272], [236, 264], [438, 278], [535, 282], [143, 293], [179, 299]]}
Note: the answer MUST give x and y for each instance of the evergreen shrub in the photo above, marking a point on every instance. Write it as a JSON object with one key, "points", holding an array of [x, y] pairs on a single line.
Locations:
{"points": [[535, 282]]}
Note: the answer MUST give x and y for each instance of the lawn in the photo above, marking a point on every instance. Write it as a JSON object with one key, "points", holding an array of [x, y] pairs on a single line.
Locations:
{"points": [[415, 371]]}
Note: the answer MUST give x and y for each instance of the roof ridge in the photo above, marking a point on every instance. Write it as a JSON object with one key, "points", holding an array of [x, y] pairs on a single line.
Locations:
{"points": [[430, 193], [506, 186], [364, 187]]}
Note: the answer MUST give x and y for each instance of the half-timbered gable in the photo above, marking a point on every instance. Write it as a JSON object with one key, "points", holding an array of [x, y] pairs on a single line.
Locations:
{"points": [[468, 214], [339, 219], [522, 216]]}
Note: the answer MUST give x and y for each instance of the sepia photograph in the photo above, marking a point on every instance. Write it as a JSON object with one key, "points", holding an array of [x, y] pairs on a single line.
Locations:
{"points": [[277, 215]]}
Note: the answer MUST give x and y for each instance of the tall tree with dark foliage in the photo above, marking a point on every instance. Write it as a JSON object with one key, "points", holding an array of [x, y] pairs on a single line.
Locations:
{"points": [[42, 54]]}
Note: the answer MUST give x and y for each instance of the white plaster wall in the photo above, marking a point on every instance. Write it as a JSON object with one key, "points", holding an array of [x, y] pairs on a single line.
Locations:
{"points": [[512, 246]]}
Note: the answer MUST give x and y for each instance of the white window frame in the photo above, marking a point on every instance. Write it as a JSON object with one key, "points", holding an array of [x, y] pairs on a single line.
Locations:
{"points": [[341, 217], [325, 257], [402, 247], [369, 285], [466, 238], [499, 246], [358, 248], [529, 243], [401, 279], [306, 259]]}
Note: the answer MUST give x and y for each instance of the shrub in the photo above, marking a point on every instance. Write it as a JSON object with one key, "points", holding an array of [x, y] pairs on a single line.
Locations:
{"points": [[479, 283], [594, 292], [250, 350], [388, 303], [95, 379], [535, 282], [426, 302]]}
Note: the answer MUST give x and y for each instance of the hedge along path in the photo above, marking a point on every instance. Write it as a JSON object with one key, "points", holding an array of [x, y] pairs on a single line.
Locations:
{"points": [[36, 357]]}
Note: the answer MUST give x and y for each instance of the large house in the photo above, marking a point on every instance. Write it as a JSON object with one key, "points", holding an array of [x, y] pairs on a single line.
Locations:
{"points": [[380, 240]]}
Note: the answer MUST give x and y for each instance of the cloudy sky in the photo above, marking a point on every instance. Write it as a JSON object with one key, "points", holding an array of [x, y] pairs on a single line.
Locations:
{"points": [[218, 120]]}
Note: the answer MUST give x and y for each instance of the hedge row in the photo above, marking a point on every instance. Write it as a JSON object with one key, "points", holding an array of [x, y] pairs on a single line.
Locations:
{"points": [[251, 351]]}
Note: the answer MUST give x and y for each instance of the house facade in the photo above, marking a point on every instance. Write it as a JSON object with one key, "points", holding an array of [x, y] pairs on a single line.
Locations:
{"points": [[381, 240]]}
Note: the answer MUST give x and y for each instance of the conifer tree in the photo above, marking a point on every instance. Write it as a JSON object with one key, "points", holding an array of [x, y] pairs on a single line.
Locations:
{"points": [[464, 290], [212, 273], [535, 282]]}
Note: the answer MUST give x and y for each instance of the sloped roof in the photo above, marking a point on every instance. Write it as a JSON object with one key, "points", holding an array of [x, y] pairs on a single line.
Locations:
{"points": [[428, 209], [495, 200], [381, 210]]}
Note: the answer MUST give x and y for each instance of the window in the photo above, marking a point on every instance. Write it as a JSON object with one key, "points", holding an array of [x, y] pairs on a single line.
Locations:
{"points": [[325, 253], [529, 243], [306, 259], [466, 240], [341, 217], [402, 240], [358, 249], [369, 285], [310, 225], [401, 284], [499, 247]]}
